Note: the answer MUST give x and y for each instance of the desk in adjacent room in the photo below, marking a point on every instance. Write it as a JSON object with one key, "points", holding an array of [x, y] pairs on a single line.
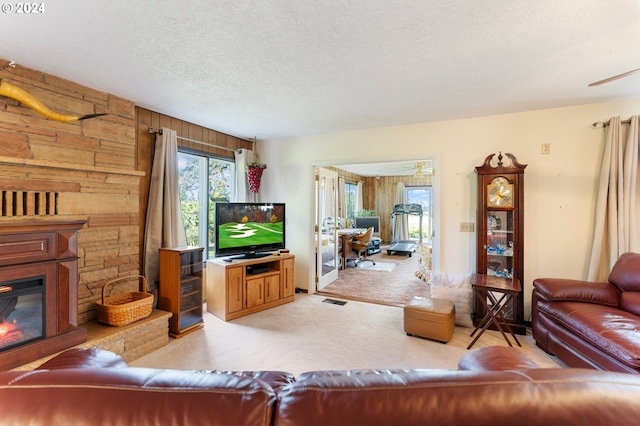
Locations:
{"points": [[345, 249]]}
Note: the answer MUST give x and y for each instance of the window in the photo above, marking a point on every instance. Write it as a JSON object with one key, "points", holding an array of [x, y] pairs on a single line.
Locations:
{"points": [[202, 181], [422, 195], [350, 199]]}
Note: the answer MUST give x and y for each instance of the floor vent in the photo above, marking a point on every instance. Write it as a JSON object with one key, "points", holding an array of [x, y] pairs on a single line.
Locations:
{"points": [[334, 302]]}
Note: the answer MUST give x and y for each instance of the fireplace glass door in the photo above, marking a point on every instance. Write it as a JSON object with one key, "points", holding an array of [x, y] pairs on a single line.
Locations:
{"points": [[22, 316]]}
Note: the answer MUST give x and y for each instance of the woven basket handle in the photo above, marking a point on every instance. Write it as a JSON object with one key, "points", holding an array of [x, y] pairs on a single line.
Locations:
{"points": [[143, 284]]}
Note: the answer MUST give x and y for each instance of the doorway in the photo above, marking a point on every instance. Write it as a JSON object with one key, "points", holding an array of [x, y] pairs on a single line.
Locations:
{"points": [[378, 182]]}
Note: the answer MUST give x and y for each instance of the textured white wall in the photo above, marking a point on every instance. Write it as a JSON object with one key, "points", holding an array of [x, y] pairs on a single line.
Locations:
{"points": [[559, 187]]}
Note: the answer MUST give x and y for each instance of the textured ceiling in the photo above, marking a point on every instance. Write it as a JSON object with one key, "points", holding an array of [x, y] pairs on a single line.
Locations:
{"points": [[286, 68]]}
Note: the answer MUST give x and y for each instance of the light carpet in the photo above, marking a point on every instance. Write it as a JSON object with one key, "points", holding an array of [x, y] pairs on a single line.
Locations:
{"points": [[308, 335]]}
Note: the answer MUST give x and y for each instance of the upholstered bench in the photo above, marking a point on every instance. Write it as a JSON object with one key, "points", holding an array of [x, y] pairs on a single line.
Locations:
{"points": [[496, 358], [430, 318]]}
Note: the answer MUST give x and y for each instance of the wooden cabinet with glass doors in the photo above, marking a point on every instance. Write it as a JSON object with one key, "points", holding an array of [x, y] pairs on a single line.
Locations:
{"points": [[181, 290], [500, 230]]}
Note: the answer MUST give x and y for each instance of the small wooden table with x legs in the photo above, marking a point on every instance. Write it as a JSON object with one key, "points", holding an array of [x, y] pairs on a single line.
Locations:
{"points": [[485, 287]]}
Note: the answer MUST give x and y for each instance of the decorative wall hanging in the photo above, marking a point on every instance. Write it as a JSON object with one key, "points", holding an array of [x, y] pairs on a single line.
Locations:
{"points": [[13, 92], [254, 175]]}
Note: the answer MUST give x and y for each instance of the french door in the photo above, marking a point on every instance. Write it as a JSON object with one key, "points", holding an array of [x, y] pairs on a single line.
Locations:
{"points": [[326, 227]]}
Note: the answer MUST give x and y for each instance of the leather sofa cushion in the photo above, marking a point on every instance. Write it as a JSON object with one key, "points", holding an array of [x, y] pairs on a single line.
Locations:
{"points": [[542, 396], [625, 274], [133, 396], [346, 373], [630, 302], [614, 331], [275, 379]]}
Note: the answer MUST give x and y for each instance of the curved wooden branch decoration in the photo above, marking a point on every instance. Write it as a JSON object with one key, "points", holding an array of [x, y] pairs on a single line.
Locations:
{"points": [[13, 92]]}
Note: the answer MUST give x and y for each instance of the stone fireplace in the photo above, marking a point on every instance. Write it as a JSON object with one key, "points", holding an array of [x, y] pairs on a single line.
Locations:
{"points": [[38, 290]]}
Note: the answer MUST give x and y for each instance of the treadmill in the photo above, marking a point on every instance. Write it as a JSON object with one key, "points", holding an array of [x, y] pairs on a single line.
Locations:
{"points": [[406, 247]]}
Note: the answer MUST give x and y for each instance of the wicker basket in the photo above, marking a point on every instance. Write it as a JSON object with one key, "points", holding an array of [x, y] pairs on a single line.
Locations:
{"points": [[125, 308]]}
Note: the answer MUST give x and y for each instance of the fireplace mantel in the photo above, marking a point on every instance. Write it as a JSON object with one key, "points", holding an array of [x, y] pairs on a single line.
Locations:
{"points": [[46, 248]]}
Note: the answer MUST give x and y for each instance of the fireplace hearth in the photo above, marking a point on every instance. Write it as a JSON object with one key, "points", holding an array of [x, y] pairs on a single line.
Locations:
{"points": [[38, 290]]}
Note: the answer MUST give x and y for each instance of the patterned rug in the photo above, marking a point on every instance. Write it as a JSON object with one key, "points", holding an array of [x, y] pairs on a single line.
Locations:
{"points": [[378, 266], [395, 287]]}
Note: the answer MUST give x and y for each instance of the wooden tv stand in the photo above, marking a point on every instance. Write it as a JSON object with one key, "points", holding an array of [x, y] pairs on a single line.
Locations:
{"points": [[245, 286]]}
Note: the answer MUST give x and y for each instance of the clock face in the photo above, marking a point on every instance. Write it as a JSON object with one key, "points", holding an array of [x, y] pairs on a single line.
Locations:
{"points": [[500, 193]]}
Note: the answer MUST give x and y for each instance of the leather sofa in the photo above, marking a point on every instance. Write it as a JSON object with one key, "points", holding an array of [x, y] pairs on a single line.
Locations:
{"points": [[591, 324], [90, 387]]}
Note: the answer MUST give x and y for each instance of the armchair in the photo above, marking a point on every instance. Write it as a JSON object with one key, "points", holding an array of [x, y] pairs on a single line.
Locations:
{"points": [[591, 324], [360, 245]]}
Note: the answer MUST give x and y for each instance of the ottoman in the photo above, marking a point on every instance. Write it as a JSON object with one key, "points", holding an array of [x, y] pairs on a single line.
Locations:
{"points": [[430, 318]]}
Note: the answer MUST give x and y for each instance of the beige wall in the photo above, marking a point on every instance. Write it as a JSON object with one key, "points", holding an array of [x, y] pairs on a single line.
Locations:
{"points": [[559, 187]]}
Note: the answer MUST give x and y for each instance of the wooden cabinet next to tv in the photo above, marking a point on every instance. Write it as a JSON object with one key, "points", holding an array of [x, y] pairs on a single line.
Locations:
{"points": [[245, 286], [181, 291]]}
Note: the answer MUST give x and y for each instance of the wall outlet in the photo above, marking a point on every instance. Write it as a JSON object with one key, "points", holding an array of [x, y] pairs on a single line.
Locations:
{"points": [[546, 148], [467, 227]]}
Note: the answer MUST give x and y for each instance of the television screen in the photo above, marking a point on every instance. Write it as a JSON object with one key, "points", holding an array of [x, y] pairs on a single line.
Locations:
{"points": [[249, 229], [368, 222]]}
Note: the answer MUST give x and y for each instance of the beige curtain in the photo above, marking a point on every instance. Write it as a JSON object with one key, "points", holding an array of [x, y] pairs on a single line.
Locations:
{"points": [[242, 193], [330, 200], [617, 228], [360, 205], [342, 205], [164, 226]]}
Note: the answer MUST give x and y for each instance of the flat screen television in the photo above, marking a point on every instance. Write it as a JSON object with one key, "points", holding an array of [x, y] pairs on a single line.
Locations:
{"points": [[366, 222], [247, 230]]}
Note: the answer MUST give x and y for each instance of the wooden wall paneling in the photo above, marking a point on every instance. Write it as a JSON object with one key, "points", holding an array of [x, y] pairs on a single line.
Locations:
{"points": [[145, 151], [212, 138], [369, 184]]}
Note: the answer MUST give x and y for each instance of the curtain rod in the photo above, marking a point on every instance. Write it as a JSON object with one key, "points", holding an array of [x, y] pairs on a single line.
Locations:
{"points": [[606, 123], [159, 132]]}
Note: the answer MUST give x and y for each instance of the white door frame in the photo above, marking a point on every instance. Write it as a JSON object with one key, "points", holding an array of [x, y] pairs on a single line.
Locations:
{"points": [[326, 201]]}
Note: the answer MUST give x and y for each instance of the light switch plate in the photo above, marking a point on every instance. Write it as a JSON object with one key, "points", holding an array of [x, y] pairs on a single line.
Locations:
{"points": [[467, 227]]}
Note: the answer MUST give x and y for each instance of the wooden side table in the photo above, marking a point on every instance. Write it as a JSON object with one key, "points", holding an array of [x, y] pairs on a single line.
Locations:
{"points": [[485, 287]]}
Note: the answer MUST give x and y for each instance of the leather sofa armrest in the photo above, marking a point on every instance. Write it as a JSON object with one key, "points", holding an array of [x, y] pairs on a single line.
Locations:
{"points": [[84, 358], [567, 290]]}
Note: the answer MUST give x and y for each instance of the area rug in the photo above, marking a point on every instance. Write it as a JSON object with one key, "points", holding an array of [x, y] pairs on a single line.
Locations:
{"points": [[393, 288], [378, 266]]}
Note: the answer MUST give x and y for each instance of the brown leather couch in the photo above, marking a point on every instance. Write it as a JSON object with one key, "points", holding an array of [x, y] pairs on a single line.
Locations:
{"points": [[591, 324], [94, 387]]}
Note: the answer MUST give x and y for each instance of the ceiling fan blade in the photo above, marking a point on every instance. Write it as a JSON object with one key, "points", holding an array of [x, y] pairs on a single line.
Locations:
{"points": [[615, 77]]}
